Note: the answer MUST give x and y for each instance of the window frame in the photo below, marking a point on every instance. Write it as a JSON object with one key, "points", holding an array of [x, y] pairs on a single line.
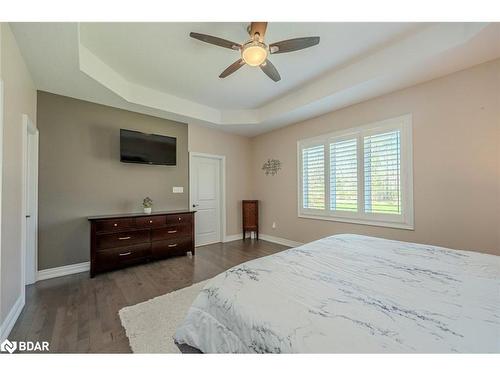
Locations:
{"points": [[405, 220]]}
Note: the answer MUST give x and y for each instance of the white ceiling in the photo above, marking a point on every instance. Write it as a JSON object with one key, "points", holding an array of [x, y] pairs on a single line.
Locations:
{"points": [[155, 68], [163, 57]]}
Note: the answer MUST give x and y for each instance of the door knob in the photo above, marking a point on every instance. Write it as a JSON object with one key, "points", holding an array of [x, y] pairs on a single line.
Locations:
{"points": [[195, 205]]}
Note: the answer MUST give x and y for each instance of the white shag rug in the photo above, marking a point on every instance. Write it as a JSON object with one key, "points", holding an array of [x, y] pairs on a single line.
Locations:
{"points": [[150, 325]]}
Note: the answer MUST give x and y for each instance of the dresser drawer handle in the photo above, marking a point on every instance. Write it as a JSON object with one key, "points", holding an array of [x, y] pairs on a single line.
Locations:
{"points": [[125, 254], [115, 225], [172, 245], [124, 238], [172, 231], [150, 221]]}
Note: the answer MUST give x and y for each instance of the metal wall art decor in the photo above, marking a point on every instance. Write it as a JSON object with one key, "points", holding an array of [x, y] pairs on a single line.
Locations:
{"points": [[271, 167]]}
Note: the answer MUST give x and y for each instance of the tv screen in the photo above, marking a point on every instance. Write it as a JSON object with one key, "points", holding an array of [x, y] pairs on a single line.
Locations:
{"points": [[137, 147]]}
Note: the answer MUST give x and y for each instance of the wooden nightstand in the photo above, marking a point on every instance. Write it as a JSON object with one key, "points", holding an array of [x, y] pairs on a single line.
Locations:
{"points": [[250, 212]]}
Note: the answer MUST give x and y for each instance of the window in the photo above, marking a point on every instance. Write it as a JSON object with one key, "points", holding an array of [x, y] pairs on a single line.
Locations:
{"points": [[361, 175], [382, 168], [313, 177], [344, 175]]}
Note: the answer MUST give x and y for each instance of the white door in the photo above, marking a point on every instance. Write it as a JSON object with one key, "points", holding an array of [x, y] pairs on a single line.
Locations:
{"points": [[205, 197], [30, 201]]}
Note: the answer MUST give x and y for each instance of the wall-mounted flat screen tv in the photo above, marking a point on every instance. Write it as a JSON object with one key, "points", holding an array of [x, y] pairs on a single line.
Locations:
{"points": [[142, 148]]}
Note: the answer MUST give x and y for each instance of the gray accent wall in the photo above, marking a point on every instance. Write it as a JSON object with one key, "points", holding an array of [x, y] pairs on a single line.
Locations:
{"points": [[81, 174]]}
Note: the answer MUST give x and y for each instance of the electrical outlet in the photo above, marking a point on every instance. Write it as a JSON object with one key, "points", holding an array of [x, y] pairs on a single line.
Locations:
{"points": [[274, 225], [178, 189]]}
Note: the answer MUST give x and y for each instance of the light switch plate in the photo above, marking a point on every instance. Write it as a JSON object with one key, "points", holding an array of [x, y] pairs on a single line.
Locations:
{"points": [[178, 189]]}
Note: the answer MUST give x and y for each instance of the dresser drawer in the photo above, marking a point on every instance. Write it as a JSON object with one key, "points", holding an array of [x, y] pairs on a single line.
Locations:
{"points": [[111, 225], [179, 219], [170, 232], [122, 256], [150, 221], [106, 241], [162, 249]]}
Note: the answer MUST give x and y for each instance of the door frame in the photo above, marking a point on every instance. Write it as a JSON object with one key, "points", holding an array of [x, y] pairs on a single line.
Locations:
{"points": [[222, 159], [29, 130]]}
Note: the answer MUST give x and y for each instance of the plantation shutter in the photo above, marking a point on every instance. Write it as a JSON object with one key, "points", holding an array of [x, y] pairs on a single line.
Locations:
{"points": [[344, 175], [382, 169], [313, 178]]}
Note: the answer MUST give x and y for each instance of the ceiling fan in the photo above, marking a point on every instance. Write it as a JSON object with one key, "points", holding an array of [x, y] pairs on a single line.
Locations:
{"points": [[255, 52]]}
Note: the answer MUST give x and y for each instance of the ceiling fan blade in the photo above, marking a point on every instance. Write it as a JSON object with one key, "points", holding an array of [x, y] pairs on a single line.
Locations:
{"points": [[232, 68], [291, 45], [258, 27], [217, 41], [270, 71]]}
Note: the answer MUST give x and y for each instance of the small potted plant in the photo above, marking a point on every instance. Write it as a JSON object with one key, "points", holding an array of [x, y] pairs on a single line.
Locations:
{"points": [[147, 204]]}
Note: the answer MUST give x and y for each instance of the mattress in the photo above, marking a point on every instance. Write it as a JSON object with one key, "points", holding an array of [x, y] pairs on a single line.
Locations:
{"points": [[351, 294]]}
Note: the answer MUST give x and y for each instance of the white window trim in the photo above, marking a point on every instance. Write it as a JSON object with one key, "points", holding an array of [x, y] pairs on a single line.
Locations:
{"points": [[403, 221]]}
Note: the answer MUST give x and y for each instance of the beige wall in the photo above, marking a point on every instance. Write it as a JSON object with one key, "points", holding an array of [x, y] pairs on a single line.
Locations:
{"points": [[456, 142], [81, 174], [19, 99], [238, 167]]}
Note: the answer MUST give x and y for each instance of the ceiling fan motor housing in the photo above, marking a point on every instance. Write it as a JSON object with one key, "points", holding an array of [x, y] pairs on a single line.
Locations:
{"points": [[254, 52]]}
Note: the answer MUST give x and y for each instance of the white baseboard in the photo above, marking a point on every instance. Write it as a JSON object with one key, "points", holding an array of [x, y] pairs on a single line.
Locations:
{"points": [[265, 237], [233, 237], [50, 273], [239, 236], [11, 318], [279, 240]]}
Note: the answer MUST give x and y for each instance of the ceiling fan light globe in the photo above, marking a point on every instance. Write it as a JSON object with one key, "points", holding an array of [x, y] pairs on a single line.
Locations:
{"points": [[254, 53]]}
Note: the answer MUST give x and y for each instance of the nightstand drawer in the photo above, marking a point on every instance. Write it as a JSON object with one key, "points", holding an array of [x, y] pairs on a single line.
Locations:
{"points": [[107, 241]]}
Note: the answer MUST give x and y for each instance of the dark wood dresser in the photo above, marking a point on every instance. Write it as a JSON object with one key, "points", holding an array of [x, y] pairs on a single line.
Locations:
{"points": [[117, 241], [250, 212]]}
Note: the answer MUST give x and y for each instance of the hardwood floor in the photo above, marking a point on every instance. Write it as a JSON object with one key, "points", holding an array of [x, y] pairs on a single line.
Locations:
{"points": [[76, 314]]}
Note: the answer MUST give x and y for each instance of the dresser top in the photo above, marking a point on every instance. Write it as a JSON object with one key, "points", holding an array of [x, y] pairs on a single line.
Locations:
{"points": [[140, 214]]}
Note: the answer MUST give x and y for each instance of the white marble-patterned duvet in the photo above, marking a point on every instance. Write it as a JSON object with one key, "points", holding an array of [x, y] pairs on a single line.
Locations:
{"points": [[350, 293]]}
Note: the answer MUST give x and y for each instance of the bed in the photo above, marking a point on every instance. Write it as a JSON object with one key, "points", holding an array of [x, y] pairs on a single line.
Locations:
{"points": [[351, 294]]}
